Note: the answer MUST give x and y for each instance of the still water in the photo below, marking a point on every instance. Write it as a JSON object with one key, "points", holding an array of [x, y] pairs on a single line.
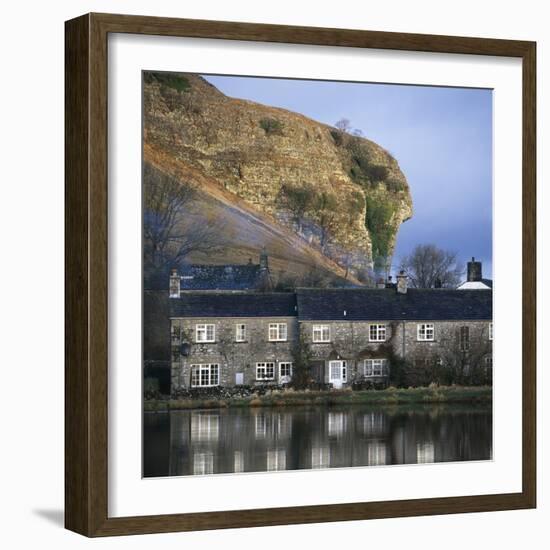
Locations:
{"points": [[203, 442]]}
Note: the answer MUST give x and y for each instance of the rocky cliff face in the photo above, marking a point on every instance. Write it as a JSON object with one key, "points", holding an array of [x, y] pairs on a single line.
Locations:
{"points": [[343, 196]]}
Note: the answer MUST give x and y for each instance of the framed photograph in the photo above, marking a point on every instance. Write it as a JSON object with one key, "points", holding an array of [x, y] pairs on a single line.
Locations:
{"points": [[300, 275]]}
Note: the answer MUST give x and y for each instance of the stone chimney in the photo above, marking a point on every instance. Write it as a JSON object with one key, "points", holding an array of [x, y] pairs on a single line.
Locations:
{"points": [[474, 271], [263, 259], [175, 281], [402, 283]]}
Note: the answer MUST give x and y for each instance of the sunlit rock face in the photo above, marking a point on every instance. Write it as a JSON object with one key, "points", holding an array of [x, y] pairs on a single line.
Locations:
{"points": [[248, 156]]}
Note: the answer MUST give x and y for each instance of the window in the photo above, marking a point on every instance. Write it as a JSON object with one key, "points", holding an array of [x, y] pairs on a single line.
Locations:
{"points": [[277, 332], [265, 371], [285, 370], [377, 333], [240, 333], [490, 331], [205, 375], [464, 338], [375, 367], [321, 333], [425, 332], [205, 333]]}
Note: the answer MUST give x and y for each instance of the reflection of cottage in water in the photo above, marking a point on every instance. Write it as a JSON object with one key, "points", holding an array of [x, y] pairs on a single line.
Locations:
{"points": [[255, 440]]}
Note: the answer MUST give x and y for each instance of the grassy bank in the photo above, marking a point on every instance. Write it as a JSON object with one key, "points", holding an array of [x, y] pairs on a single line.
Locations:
{"points": [[390, 396]]}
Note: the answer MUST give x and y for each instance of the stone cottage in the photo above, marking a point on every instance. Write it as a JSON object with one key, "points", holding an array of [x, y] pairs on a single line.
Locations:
{"points": [[236, 338]]}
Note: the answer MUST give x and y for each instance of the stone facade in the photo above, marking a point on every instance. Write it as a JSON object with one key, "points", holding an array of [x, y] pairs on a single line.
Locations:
{"points": [[363, 349], [237, 357]]}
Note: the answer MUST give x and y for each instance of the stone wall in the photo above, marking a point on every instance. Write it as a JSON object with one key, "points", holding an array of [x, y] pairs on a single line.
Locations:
{"points": [[349, 341], [233, 357]]}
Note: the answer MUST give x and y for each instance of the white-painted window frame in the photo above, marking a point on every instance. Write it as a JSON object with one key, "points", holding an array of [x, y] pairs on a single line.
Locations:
{"points": [[369, 366], [265, 365], [206, 367], [240, 332], [320, 334], [380, 330], [202, 328], [424, 328], [285, 364], [279, 329]]}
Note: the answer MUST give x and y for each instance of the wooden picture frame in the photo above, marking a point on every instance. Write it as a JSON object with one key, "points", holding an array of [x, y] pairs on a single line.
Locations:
{"points": [[86, 364]]}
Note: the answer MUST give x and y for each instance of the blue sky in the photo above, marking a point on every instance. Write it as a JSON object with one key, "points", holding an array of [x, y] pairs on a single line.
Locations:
{"points": [[441, 137]]}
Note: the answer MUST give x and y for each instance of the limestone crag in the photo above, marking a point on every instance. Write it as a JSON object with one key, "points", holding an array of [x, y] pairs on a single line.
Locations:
{"points": [[256, 153]]}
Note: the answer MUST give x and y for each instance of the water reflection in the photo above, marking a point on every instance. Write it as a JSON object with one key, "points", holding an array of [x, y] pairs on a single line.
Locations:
{"points": [[256, 440]]}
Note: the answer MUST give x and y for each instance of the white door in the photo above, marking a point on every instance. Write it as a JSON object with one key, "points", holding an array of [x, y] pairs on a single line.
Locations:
{"points": [[239, 378], [337, 373]]}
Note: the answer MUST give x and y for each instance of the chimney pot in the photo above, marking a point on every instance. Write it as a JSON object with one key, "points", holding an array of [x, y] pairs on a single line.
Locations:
{"points": [[175, 282], [474, 271], [402, 282]]}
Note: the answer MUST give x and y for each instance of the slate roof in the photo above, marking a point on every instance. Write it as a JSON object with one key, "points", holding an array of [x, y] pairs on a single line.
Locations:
{"points": [[221, 277], [388, 305], [234, 304]]}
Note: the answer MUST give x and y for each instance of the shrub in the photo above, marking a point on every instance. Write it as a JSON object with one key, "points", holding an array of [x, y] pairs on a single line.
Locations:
{"points": [[338, 137], [394, 184], [175, 81], [151, 388], [271, 126]]}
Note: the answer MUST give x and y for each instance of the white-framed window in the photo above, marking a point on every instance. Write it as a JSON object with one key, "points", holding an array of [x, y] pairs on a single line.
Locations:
{"points": [[321, 333], [265, 371], [377, 333], [490, 331], [464, 338], [240, 332], [375, 367], [285, 370], [205, 333], [425, 332], [204, 375], [277, 332]]}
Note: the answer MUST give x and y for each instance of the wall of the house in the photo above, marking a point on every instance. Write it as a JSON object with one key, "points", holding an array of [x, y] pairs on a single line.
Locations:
{"points": [[349, 341], [233, 357]]}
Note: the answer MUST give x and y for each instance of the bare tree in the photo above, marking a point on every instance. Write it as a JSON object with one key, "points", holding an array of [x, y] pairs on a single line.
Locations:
{"points": [[170, 217], [344, 125], [430, 267], [465, 355]]}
